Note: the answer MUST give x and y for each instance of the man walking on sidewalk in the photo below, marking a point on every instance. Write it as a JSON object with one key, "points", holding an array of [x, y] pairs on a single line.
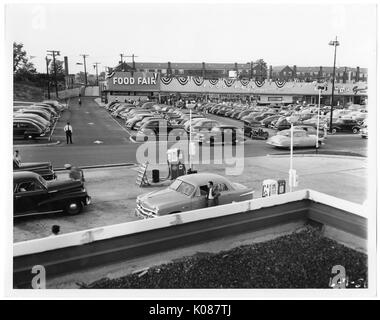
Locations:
{"points": [[68, 130]]}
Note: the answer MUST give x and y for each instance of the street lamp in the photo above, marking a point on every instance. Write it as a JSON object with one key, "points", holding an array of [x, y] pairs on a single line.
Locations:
{"points": [[292, 172], [334, 43]]}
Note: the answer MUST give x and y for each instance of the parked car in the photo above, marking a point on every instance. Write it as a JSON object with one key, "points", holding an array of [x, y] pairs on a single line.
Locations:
{"points": [[249, 125], [267, 121], [41, 122], [138, 117], [34, 195], [310, 130], [160, 129], [223, 134], [26, 129], [44, 169], [345, 125], [187, 193], [300, 139], [204, 125]]}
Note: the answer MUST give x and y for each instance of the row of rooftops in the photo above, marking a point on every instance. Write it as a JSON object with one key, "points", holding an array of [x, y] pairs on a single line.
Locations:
{"points": [[229, 66]]}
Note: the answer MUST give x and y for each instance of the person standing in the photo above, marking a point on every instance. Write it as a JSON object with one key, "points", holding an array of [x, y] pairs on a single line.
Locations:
{"points": [[212, 195], [69, 131], [75, 173]]}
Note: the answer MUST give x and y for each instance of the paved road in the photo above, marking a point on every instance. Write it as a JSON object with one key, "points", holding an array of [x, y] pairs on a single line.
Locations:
{"points": [[92, 123]]}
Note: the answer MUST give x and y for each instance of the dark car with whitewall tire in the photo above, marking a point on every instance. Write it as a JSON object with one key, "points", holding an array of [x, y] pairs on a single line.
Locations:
{"points": [[345, 125], [33, 195], [44, 169]]}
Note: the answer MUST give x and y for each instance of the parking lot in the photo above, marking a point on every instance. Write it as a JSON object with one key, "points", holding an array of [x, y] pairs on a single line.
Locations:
{"points": [[104, 140], [100, 140]]}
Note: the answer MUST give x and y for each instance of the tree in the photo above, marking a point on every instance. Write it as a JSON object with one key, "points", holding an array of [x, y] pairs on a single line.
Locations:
{"points": [[262, 67], [21, 64]]}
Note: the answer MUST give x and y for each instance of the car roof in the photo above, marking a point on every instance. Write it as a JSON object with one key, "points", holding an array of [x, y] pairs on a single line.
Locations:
{"points": [[202, 178], [20, 176], [226, 126]]}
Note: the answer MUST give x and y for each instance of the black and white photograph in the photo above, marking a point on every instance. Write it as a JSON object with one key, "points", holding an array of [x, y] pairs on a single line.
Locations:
{"points": [[190, 145]]}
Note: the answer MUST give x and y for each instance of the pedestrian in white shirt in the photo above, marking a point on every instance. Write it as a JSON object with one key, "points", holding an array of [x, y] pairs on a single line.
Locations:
{"points": [[69, 131]]}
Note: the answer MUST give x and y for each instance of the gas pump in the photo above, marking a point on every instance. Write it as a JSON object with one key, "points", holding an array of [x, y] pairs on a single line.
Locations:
{"points": [[176, 166]]}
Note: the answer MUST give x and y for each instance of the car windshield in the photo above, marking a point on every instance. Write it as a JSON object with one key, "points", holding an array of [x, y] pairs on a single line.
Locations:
{"points": [[42, 181], [182, 187]]}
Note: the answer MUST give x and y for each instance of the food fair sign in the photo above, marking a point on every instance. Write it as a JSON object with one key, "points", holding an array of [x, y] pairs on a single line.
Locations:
{"points": [[133, 81]]}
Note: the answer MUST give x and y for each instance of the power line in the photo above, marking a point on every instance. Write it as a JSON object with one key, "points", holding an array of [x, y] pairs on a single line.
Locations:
{"points": [[54, 53], [84, 64], [133, 60], [97, 77]]}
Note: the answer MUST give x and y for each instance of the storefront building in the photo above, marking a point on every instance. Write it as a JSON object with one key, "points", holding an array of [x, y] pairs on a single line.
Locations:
{"points": [[125, 86]]}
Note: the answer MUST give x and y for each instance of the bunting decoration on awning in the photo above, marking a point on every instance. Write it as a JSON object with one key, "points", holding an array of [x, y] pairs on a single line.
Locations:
{"points": [[244, 82], [229, 82], [198, 81], [110, 75], [183, 80], [213, 81], [259, 83], [166, 80], [280, 83]]}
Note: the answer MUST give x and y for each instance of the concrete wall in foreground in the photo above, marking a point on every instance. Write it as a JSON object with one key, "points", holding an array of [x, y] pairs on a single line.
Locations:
{"points": [[89, 248]]}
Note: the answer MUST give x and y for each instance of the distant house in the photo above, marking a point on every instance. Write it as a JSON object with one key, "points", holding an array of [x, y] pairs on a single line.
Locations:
{"points": [[248, 70]]}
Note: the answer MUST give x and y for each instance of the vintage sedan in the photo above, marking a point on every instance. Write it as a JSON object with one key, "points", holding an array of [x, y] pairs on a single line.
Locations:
{"points": [[27, 129], [33, 195], [44, 169], [223, 134], [189, 193], [300, 139]]}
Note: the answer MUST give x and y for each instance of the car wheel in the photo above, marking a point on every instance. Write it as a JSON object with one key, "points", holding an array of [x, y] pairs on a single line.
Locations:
{"points": [[355, 130], [74, 207], [333, 131]]}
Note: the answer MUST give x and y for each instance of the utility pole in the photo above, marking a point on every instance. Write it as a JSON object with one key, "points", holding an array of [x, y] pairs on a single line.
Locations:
{"points": [[97, 77], [84, 64], [47, 75], [133, 61], [334, 43], [54, 53], [121, 58]]}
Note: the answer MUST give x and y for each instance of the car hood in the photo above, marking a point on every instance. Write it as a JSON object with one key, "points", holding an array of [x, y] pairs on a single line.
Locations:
{"points": [[25, 166], [162, 198], [64, 185]]}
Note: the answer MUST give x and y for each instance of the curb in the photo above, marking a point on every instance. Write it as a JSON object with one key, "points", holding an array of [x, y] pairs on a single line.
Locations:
{"points": [[37, 145], [317, 156], [100, 166]]}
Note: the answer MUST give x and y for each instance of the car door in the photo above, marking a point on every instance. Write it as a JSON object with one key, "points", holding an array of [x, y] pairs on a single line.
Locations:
{"points": [[298, 139], [27, 197], [198, 200], [226, 193]]}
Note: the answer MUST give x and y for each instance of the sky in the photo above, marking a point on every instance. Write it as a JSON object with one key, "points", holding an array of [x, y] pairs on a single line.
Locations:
{"points": [[281, 34]]}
